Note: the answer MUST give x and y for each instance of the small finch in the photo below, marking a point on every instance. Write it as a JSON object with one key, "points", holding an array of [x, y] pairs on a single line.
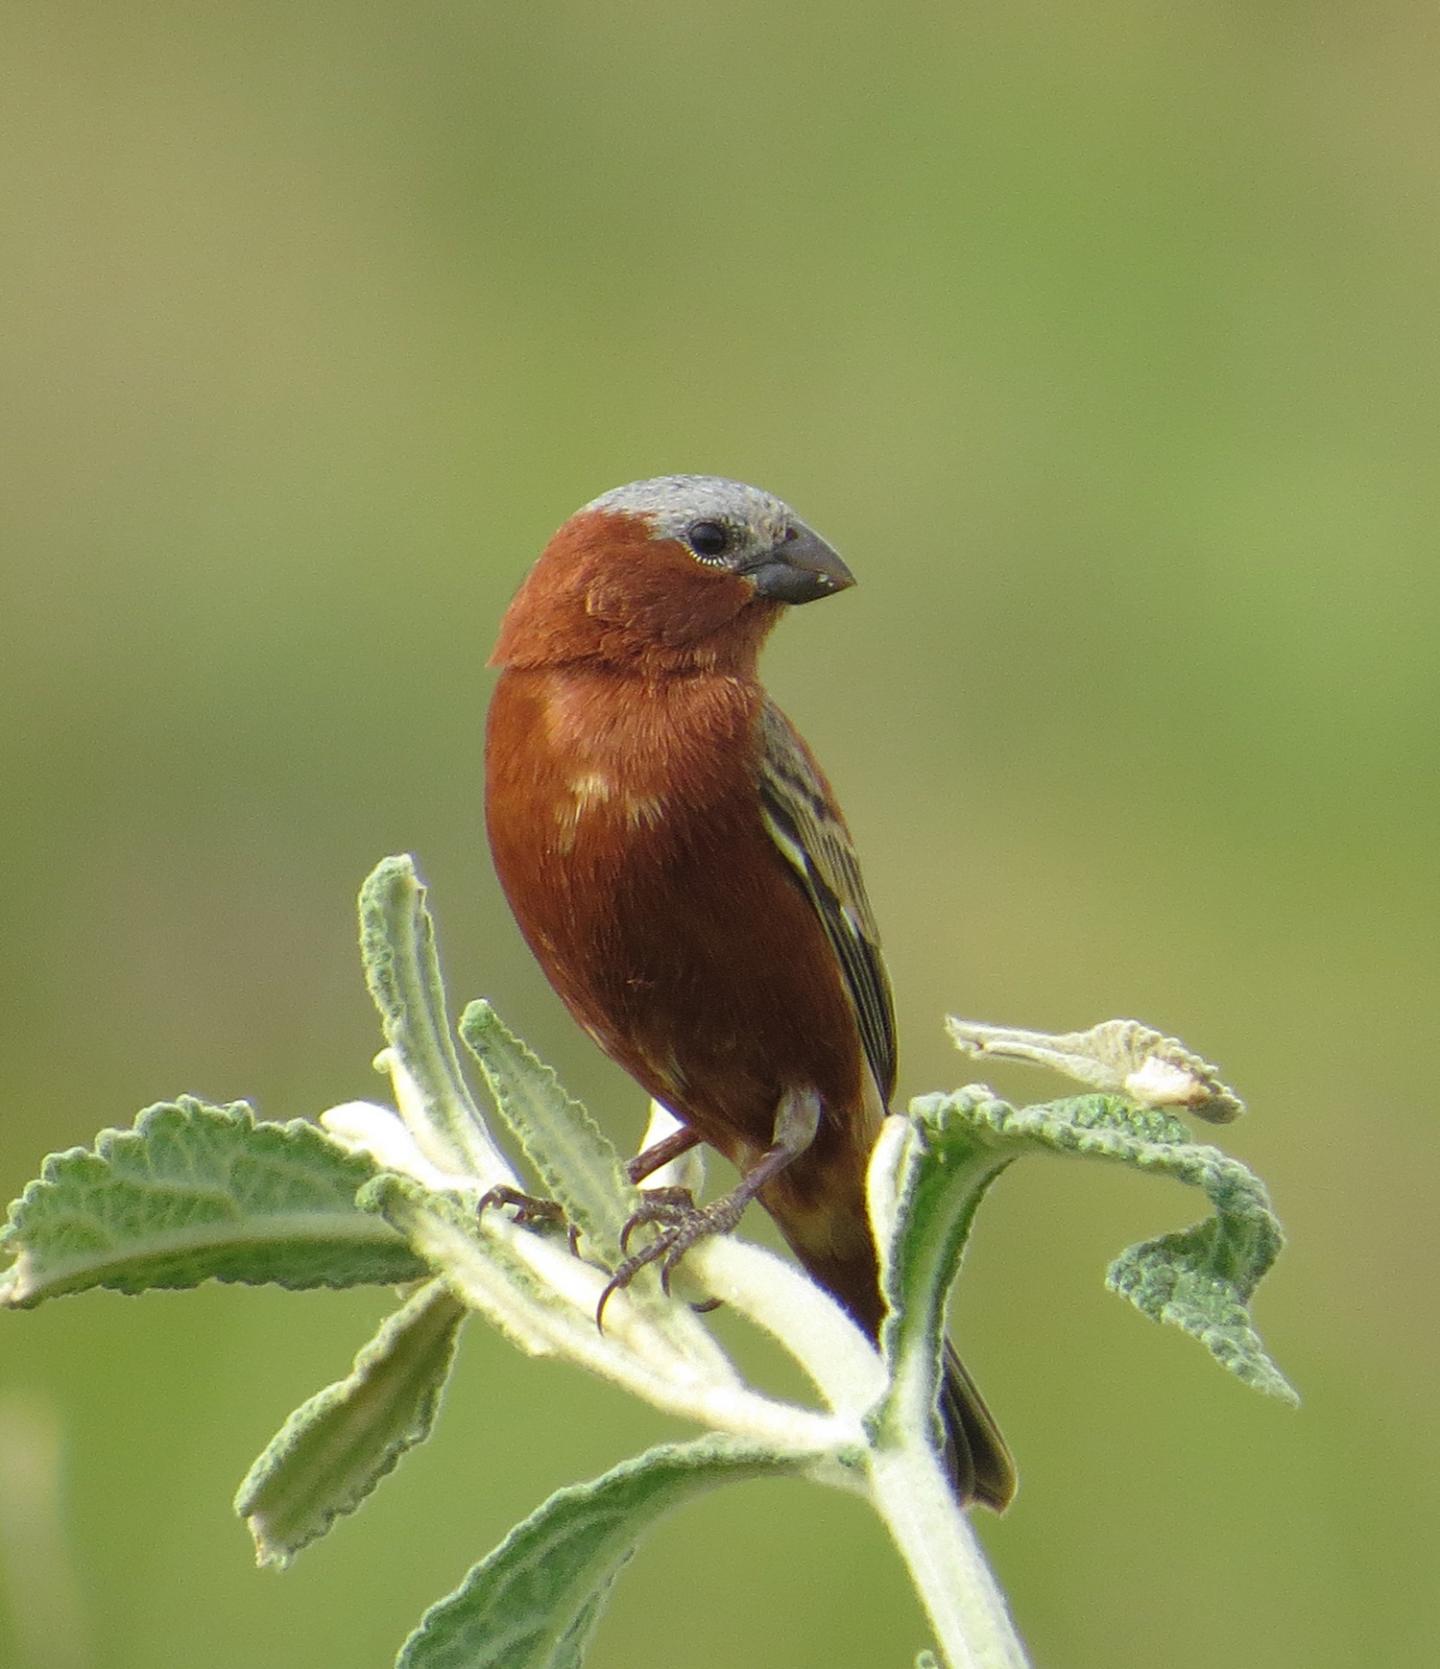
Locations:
{"points": [[676, 861]]}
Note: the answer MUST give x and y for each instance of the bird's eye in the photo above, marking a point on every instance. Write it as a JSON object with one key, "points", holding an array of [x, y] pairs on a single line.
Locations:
{"points": [[708, 540]]}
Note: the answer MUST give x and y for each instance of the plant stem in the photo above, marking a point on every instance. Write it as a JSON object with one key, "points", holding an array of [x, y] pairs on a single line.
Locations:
{"points": [[966, 1608], [907, 1482]]}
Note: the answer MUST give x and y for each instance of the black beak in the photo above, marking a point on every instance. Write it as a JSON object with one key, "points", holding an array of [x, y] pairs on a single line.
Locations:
{"points": [[800, 569]]}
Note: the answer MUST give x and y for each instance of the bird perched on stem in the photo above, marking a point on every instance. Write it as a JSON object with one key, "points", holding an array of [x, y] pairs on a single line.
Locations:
{"points": [[676, 861]]}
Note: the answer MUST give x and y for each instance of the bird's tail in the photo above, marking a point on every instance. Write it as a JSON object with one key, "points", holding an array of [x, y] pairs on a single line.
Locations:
{"points": [[981, 1467]]}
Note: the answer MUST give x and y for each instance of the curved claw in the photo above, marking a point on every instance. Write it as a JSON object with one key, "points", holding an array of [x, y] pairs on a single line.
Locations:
{"points": [[667, 1249], [529, 1208], [671, 1206], [611, 1286], [501, 1194]]}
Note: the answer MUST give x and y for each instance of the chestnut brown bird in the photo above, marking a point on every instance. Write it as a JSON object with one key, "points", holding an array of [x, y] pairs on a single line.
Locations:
{"points": [[676, 860]]}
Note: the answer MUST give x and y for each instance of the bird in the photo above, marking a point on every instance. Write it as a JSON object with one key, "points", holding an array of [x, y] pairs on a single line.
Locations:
{"points": [[676, 860]]}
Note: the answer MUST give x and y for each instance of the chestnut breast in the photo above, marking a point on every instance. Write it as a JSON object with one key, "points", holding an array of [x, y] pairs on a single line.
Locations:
{"points": [[625, 822]]}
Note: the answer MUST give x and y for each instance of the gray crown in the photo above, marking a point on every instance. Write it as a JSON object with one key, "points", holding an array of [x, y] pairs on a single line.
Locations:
{"points": [[673, 503]]}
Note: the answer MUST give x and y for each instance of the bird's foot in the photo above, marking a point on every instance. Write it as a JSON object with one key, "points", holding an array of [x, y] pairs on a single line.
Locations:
{"points": [[683, 1223], [796, 1121], [667, 1206], [530, 1208]]}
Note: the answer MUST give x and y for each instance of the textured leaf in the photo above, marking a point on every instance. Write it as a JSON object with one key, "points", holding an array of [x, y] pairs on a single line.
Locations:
{"points": [[535, 1601], [195, 1193], [480, 1266], [927, 1179], [1199, 1279], [397, 944], [335, 1448], [543, 1296], [1121, 1057], [576, 1162]]}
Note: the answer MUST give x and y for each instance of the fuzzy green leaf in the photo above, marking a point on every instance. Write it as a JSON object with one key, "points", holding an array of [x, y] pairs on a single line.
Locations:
{"points": [[577, 1163], [195, 1193], [484, 1270], [335, 1448], [535, 1601], [397, 944], [1199, 1279], [926, 1183]]}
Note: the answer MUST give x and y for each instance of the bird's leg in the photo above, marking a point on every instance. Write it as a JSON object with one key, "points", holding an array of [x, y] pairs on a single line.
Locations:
{"points": [[796, 1121], [658, 1205], [660, 1153]]}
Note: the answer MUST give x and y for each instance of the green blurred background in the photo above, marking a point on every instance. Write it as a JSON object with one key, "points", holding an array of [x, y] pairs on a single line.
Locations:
{"points": [[1102, 341]]}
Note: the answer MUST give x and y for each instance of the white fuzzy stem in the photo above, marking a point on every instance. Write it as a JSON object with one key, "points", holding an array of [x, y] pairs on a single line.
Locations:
{"points": [[907, 1481], [972, 1623]]}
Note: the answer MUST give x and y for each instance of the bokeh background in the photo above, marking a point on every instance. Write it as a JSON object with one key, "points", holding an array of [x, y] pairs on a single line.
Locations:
{"points": [[1102, 341]]}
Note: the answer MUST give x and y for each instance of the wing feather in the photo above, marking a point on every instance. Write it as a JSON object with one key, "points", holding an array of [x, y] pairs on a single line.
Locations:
{"points": [[807, 827]]}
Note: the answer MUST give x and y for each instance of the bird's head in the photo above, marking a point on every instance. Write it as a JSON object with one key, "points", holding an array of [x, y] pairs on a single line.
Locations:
{"points": [[684, 571]]}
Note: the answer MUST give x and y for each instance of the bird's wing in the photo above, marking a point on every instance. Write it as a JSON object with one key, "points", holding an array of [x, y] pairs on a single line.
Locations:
{"points": [[805, 825]]}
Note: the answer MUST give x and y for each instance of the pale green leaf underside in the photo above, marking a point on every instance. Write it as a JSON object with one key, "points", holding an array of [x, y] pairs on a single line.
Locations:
{"points": [[335, 1448], [194, 1193], [1199, 1279], [534, 1602], [402, 970]]}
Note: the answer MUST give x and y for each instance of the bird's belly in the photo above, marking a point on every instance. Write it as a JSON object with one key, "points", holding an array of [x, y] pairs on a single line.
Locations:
{"points": [[688, 951]]}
